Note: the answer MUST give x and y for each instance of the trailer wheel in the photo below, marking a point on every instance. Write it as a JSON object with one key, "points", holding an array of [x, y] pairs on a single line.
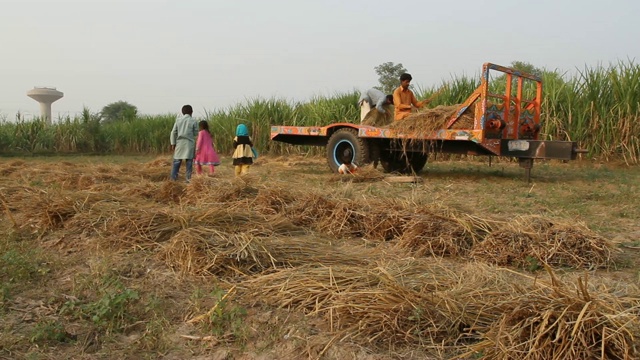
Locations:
{"points": [[345, 142], [405, 163]]}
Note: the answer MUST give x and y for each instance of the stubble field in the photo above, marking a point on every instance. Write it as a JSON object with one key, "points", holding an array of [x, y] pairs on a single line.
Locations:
{"points": [[103, 258]]}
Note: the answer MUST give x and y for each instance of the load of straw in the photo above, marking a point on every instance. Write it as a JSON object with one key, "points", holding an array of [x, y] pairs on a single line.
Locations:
{"points": [[425, 121], [378, 119]]}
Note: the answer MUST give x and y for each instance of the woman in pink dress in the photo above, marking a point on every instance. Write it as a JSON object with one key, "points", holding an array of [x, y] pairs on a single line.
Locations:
{"points": [[205, 151]]}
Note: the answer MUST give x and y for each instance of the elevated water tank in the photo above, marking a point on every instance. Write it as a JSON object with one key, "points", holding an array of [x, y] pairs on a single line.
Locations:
{"points": [[45, 96]]}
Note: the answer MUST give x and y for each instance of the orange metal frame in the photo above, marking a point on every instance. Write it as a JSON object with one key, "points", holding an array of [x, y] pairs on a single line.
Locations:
{"points": [[514, 114]]}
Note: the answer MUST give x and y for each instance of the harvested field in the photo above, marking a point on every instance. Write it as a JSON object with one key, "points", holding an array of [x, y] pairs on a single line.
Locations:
{"points": [[295, 262]]}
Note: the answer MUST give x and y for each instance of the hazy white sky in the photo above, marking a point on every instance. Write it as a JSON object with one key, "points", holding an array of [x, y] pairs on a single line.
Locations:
{"points": [[161, 54]]}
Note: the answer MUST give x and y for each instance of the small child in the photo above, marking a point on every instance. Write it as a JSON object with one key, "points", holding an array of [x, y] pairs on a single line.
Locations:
{"points": [[347, 167], [205, 150], [242, 155]]}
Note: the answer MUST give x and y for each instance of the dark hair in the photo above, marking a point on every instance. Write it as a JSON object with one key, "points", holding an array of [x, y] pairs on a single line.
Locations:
{"points": [[187, 109], [405, 76], [347, 155], [203, 125], [390, 98]]}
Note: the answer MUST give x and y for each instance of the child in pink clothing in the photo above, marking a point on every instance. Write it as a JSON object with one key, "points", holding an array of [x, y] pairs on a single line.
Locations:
{"points": [[205, 151]]}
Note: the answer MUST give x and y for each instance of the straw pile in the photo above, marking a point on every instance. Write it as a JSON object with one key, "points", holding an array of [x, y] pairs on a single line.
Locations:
{"points": [[378, 119], [426, 121], [422, 122], [554, 242], [503, 314], [204, 251], [553, 320], [383, 303], [124, 211], [442, 232], [151, 226]]}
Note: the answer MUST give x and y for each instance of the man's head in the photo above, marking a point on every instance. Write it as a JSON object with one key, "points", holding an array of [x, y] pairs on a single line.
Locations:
{"points": [[405, 80], [187, 110], [389, 99]]}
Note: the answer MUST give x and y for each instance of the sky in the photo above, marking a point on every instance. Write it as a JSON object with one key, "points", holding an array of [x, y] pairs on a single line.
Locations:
{"points": [[159, 54]]}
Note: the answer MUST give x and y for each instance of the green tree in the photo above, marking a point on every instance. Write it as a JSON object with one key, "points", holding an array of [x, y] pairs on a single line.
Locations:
{"points": [[527, 68], [118, 111], [389, 76], [551, 78]]}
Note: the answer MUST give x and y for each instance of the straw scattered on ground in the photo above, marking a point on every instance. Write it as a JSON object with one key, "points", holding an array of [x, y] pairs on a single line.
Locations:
{"points": [[382, 272], [533, 240]]}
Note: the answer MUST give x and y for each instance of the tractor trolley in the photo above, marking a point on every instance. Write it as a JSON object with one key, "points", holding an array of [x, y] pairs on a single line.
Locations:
{"points": [[504, 124]]}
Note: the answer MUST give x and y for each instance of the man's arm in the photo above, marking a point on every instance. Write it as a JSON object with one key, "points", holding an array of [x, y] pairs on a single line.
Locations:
{"points": [[380, 104], [417, 103], [174, 135]]}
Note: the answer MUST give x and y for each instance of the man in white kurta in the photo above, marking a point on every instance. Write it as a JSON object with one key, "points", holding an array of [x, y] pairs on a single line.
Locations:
{"points": [[183, 142]]}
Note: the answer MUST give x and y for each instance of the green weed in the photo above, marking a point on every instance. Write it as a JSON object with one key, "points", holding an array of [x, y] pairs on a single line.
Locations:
{"points": [[227, 319], [20, 265], [111, 311], [532, 263], [49, 331]]}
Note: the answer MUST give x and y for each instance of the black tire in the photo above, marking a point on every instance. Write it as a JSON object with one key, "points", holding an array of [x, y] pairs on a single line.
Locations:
{"points": [[404, 163], [346, 140]]}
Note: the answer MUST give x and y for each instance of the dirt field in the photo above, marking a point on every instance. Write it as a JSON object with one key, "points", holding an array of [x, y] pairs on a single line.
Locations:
{"points": [[103, 258]]}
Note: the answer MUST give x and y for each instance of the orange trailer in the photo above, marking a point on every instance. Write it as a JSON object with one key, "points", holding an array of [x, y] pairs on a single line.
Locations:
{"points": [[504, 124]]}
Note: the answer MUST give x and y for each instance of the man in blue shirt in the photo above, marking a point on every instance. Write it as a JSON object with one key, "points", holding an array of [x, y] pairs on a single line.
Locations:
{"points": [[373, 97], [183, 142]]}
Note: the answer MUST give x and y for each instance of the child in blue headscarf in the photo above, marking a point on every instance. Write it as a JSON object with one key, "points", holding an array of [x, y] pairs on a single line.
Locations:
{"points": [[242, 155]]}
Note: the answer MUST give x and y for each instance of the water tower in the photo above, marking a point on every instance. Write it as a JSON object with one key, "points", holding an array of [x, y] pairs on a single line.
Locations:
{"points": [[45, 96]]}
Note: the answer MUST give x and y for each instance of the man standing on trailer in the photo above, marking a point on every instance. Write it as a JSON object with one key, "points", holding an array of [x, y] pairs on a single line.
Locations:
{"points": [[403, 98], [373, 97]]}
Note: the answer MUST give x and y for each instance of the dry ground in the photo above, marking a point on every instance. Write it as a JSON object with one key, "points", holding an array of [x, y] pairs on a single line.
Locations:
{"points": [[103, 258]]}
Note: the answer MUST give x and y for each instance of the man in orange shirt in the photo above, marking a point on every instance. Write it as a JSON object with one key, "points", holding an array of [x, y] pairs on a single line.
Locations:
{"points": [[403, 98]]}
